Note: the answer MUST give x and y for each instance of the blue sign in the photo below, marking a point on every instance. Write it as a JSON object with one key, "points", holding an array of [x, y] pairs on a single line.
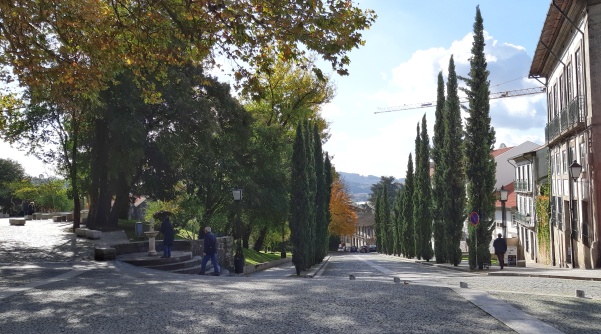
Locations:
{"points": [[474, 218]]}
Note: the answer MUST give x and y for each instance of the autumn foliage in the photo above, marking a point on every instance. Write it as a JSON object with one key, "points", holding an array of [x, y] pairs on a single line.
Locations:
{"points": [[344, 218]]}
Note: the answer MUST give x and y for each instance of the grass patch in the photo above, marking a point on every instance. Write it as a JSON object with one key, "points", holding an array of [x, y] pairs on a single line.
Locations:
{"points": [[252, 257]]}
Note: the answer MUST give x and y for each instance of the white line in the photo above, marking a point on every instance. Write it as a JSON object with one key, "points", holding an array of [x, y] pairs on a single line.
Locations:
{"points": [[375, 266]]}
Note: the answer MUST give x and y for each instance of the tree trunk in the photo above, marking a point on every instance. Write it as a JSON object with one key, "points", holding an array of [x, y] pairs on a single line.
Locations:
{"points": [[258, 246], [246, 236], [121, 204], [73, 175]]}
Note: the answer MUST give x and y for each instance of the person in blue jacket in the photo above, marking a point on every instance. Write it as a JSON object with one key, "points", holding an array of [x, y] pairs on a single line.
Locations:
{"points": [[168, 236], [210, 252]]}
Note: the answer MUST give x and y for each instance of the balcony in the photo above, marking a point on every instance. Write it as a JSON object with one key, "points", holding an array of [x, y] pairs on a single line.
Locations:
{"points": [[570, 119], [522, 186], [522, 219]]}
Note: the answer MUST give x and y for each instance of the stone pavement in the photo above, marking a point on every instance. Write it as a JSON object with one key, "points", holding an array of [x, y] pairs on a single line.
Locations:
{"points": [[43, 255]]}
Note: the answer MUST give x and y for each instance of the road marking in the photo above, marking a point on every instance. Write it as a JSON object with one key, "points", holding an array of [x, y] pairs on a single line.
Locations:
{"points": [[375, 266]]}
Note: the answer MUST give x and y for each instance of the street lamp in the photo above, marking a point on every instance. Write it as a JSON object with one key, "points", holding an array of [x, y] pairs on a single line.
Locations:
{"points": [[503, 193], [239, 256], [575, 170]]}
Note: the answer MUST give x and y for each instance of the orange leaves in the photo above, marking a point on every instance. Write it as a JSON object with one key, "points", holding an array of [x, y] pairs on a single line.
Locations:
{"points": [[344, 218]]}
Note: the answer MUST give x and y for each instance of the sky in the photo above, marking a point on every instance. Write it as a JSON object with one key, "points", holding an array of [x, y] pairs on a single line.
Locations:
{"points": [[410, 42], [407, 46]]}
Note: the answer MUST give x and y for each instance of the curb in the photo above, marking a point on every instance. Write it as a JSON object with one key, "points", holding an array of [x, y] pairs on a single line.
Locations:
{"points": [[265, 265]]}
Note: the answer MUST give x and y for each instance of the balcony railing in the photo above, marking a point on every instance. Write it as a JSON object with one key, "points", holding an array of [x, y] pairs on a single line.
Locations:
{"points": [[523, 219], [522, 185], [569, 118]]}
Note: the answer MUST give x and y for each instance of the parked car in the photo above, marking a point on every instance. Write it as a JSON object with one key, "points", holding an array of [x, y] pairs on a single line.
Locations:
{"points": [[364, 249], [373, 248], [353, 249]]}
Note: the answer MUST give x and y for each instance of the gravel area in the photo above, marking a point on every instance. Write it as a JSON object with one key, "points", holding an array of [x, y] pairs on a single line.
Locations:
{"points": [[101, 301]]}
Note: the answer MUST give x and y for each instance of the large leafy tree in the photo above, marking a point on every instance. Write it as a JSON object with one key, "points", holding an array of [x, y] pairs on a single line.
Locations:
{"points": [[453, 174], [438, 181], [343, 216], [479, 141], [284, 96], [65, 53], [10, 171], [390, 183]]}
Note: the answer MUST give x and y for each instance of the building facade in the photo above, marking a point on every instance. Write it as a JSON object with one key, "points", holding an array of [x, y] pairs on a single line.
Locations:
{"points": [[567, 61], [530, 173]]}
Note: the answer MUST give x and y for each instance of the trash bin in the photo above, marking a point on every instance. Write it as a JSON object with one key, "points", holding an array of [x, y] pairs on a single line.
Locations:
{"points": [[139, 229], [511, 256]]}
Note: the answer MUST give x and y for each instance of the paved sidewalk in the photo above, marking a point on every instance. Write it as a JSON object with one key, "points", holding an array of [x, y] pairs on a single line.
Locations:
{"points": [[532, 270]]}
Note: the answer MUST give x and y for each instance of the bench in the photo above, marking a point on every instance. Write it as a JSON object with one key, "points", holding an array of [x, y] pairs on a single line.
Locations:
{"points": [[81, 232], [17, 221], [93, 234]]}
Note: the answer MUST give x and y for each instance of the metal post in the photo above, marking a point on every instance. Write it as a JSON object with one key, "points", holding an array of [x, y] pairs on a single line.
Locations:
{"points": [[503, 219]]}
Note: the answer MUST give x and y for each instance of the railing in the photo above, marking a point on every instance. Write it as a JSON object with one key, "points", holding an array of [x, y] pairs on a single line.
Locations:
{"points": [[569, 117], [522, 185], [523, 219]]}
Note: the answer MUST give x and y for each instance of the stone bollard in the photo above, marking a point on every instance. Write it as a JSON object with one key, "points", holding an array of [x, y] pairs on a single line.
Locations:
{"points": [[397, 280], [580, 293], [351, 277], [463, 285]]}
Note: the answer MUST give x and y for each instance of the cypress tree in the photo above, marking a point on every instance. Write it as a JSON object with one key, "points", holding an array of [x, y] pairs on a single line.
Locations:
{"points": [[386, 221], [440, 248], [417, 226], [407, 230], [312, 181], [453, 208], [479, 141], [321, 225], [299, 206], [378, 223], [329, 179], [425, 197], [397, 222]]}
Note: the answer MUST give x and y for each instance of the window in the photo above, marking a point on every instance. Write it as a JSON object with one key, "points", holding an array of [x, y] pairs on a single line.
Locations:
{"points": [[550, 104], [561, 93], [554, 99], [557, 170], [569, 88], [578, 73], [527, 177], [571, 155], [583, 155], [564, 161]]}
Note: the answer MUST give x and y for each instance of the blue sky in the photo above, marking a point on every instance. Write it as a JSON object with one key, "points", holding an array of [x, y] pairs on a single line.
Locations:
{"points": [[410, 42]]}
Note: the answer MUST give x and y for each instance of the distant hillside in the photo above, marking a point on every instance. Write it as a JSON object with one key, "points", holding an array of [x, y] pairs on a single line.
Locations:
{"points": [[359, 185]]}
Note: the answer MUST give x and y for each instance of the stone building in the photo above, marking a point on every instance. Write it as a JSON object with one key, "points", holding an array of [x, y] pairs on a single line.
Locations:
{"points": [[567, 61]]}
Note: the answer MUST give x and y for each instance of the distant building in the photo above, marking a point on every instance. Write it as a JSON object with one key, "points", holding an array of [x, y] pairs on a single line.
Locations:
{"points": [[365, 232]]}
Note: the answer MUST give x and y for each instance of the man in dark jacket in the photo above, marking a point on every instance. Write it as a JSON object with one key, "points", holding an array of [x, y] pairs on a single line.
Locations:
{"points": [[168, 236], [210, 252], [500, 246]]}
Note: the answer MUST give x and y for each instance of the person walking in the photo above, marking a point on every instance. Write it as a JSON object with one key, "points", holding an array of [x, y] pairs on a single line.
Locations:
{"points": [[168, 236], [500, 246], [210, 252]]}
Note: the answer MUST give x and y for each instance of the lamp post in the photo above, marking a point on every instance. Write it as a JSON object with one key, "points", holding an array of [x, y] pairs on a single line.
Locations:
{"points": [[575, 170], [503, 193], [239, 256]]}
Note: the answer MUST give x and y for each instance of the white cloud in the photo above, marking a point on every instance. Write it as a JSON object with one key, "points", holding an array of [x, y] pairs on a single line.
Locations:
{"points": [[382, 144]]}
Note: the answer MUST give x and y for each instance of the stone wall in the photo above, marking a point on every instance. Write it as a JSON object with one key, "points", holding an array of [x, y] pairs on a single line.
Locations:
{"points": [[225, 249]]}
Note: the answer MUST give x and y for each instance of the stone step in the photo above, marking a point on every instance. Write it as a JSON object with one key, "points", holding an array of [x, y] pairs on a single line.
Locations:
{"points": [[145, 260], [180, 265]]}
